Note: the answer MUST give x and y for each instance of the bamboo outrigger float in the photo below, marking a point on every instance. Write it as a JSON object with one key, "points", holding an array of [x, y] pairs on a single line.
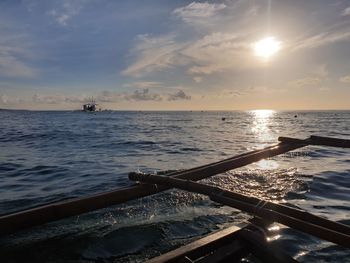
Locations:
{"points": [[226, 244]]}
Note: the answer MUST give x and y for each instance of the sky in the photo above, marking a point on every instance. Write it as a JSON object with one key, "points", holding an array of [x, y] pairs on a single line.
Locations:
{"points": [[174, 55]]}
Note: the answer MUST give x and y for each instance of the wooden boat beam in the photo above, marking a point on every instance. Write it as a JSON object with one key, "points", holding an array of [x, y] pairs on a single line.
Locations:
{"points": [[12, 222], [205, 245], [318, 140], [263, 209], [227, 245]]}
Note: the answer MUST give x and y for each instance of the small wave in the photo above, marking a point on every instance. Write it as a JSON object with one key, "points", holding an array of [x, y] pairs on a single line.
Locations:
{"points": [[123, 241], [7, 167], [140, 142], [265, 184], [190, 149]]}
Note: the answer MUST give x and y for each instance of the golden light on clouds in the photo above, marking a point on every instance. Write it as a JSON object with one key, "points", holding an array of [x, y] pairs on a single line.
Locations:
{"points": [[267, 47]]}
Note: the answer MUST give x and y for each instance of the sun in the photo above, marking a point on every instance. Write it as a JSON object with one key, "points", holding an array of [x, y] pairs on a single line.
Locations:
{"points": [[267, 47]]}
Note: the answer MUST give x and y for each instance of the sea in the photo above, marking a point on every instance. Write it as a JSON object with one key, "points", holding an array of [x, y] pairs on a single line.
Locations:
{"points": [[47, 156]]}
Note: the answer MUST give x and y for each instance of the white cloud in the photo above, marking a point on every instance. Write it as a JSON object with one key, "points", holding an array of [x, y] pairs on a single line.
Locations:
{"points": [[154, 53], [11, 64], [66, 10], [332, 34], [197, 10], [345, 79], [4, 99], [215, 48], [218, 52], [58, 99], [16, 51], [346, 11], [305, 82], [144, 84], [198, 79], [215, 52]]}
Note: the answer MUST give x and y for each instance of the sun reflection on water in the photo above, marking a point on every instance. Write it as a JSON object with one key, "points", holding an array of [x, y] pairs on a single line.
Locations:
{"points": [[273, 238], [262, 120], [267, 164]]}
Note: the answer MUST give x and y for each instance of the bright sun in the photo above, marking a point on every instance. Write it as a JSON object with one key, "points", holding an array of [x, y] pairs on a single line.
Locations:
{"points": [[267, 47]]}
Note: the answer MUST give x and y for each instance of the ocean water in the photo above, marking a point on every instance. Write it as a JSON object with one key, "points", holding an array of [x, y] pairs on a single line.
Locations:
{"points": [[50, 156]]}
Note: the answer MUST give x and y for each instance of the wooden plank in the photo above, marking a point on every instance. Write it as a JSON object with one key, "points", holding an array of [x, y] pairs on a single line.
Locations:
{"points": [[263, 250], [326, 141], [203, 245], [318, 140], [232, 252], [39, 215]]}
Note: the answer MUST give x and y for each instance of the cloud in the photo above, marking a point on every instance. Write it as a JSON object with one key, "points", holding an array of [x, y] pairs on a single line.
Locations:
{"points": [[209, 48], [17, 56], [305, 82], [4, 99], [105, 96], [230, 93], [108, 96], [196, 10], [345, 79], [219, 52], [198, 79], [11, 66], [144, 84], [143, 95], [137, 95], [346, 11], [58, 99], [140, 95], [152, 54], [179, 95], [212, 53], [48, 99], [321, 71], [7, 100], [336, 33], [12, 62], [66, 11]]}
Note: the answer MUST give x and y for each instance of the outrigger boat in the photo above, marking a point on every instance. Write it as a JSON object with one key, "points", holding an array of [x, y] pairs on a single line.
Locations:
{"points": [[226, 245], [90, 106]]}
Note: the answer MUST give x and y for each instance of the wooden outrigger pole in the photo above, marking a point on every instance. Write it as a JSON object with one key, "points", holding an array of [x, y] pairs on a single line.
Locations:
{"points": [[10, 223], [51, 212], [314, 225]]}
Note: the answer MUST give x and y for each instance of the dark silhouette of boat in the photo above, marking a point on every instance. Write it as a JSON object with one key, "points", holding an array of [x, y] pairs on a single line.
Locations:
{"points": [[90, 106]]}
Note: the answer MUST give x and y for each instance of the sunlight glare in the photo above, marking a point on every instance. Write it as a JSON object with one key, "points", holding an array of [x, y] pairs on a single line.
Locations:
{"points": [[267, 164], [262, 114], [262, 120], [267, 47]]}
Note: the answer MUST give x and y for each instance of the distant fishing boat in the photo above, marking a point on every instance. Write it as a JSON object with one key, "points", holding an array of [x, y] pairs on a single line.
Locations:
{"points": [[90, 106]]}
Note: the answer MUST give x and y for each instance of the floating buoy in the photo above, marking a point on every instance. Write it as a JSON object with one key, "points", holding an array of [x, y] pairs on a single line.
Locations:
{"points": [[223, 118], [295, 116]]}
